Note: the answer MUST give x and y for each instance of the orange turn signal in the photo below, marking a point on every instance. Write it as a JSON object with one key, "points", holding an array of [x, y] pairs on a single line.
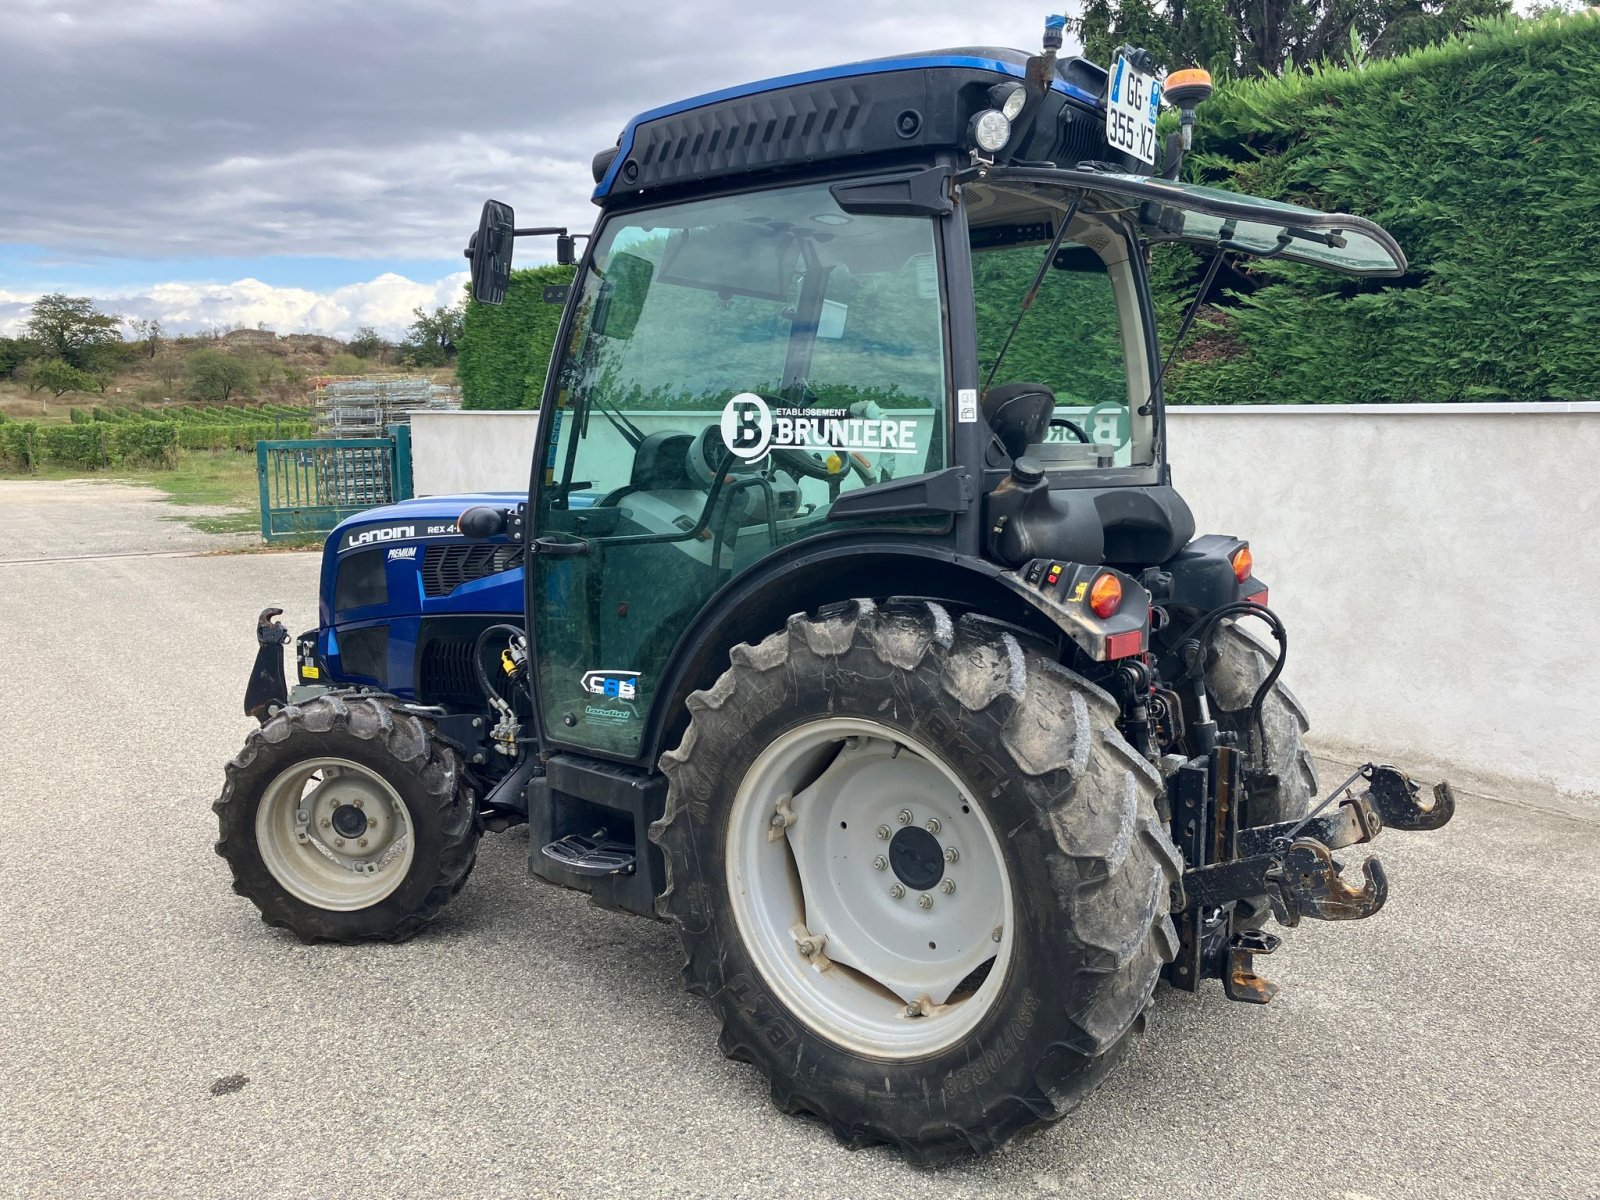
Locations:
{"points": [[1106, 595], [1243, 563]]}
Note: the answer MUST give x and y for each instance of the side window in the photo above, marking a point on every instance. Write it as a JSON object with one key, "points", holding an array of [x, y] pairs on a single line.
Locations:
{"points": [[1077, 339]]}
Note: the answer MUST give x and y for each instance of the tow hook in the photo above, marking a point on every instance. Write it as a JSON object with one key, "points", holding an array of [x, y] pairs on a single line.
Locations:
{"points": [[1308, 884], [267, 690]]}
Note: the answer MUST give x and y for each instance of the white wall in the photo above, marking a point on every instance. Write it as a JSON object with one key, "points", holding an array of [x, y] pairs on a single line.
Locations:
{"points": [[1438, 569], [471, 451], [1437, 566]]}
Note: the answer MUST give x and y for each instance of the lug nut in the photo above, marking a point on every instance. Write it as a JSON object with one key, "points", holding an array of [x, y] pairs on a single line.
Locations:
{"points": [[302, 817], [951, 854], [905, 816], [948, 886], [338, 841], [359, 802], [777, 821], [363, 842], [879, 863], [913, 1010], [933, 825], [897, 891], [326, 822], [806, 947], [883, 833], [924, 901], [998, 931]]}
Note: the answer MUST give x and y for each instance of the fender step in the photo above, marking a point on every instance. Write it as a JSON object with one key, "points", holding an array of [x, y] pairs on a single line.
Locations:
{"points": [[591, 855]]}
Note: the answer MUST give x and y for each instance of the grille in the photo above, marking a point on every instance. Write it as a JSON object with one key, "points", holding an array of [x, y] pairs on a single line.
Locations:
{"points": [[446, 674], [445, 567]]}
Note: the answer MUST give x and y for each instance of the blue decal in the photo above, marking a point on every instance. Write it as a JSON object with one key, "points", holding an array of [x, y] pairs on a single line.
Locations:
{"points": [[1155, 99], [1116, 81]]}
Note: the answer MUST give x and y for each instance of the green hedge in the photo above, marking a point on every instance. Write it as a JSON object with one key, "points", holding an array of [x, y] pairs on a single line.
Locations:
{"points": [[238, 436], [505, 349], [1479, 156], [17, 449]]}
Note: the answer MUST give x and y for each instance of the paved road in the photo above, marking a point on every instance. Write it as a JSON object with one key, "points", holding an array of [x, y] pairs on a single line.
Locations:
{"points": [[531, 1045]]}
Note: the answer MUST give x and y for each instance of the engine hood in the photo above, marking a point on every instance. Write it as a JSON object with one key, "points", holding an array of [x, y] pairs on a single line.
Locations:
{"points": [[413, 520]]}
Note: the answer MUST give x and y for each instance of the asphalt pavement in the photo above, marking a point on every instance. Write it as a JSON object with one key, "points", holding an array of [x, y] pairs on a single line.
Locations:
{"points": [[156, 1039]]}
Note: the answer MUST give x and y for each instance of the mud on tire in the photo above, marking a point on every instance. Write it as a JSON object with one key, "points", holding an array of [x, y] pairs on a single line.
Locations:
{"points": [[379, 736], [1090, 866]]}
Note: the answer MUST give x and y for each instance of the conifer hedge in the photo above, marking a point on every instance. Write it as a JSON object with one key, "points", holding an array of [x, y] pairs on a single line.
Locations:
{"points": [[505, 349], [1482, 156]]}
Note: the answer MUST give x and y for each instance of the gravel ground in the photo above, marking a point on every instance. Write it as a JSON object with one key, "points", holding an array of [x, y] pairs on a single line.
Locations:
{"points": [[85, 517], [157, 1040]]}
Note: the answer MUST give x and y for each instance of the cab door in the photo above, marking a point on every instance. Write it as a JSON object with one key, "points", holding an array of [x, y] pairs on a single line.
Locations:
{"points": [[733, 365]]}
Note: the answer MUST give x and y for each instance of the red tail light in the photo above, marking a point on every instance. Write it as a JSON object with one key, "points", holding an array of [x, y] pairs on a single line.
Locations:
{"points": [[1105, 597]]}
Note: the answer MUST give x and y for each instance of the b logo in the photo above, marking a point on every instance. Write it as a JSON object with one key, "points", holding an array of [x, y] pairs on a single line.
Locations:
{"points": [[747, 426]]}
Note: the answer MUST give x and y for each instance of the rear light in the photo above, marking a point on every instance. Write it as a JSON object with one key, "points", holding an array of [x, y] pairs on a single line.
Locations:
{"points": [[1125, 645], [1105, 597], [1257, 598], [1242, 563]]}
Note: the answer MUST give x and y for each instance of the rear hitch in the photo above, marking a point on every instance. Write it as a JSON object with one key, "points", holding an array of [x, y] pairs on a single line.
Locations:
{"points": [[1291, 864]]}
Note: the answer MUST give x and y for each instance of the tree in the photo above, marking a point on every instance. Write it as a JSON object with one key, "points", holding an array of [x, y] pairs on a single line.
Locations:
{"points": [[57, 376], [149, 331], [214, 375], [1248, 37], [432, 339], [72, 329], [367, 343], [15, 354]]}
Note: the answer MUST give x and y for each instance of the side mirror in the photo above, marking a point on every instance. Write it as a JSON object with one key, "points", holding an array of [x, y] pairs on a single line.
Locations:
{"points": [[490, 252], [480, 522]]}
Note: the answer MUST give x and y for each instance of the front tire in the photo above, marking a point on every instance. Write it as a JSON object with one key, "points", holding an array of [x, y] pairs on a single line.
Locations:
{"points": [[943, 1027], [345, 819]]}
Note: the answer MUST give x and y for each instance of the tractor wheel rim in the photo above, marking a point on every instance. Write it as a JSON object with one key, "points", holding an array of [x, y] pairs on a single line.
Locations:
{"points": [[870, 889], [334, 834]]}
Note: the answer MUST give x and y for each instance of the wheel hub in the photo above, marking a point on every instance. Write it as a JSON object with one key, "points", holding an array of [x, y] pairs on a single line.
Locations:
{"points": [[334, 834], [917, 858], [349, 821], [853, 840]]}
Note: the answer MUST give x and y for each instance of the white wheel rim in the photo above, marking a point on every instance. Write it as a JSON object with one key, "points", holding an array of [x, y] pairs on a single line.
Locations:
{"points": [[813, 880], [334, 834]]}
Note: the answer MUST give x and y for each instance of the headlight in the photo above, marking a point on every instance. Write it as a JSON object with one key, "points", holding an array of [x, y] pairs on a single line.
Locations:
{"points": [[1009, 98], [991, 130]]}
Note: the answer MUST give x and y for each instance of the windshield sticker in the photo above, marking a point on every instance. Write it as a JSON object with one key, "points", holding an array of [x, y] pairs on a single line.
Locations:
{"points": [[967, 405], [614, 685], [750, 428], [1107, 424]]}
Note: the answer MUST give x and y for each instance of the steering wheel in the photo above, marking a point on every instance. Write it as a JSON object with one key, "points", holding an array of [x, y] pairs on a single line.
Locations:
{"points": [[1064, 423]]}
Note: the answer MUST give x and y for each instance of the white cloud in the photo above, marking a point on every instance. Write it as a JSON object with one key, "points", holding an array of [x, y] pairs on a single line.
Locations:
{"points": [[385, 303]]}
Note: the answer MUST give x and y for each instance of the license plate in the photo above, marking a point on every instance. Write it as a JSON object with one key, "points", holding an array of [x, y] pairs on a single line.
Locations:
{"points": [[1132, 101]]}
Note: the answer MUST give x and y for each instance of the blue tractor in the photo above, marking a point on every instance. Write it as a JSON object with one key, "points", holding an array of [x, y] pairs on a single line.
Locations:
{"points": [[851, 621]]}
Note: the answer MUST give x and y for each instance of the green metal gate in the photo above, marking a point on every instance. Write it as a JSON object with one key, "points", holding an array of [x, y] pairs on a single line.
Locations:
{"points": [[309, 486]]}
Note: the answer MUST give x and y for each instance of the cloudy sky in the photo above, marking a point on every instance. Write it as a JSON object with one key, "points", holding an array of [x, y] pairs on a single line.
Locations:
{"points": [[318, 164]]}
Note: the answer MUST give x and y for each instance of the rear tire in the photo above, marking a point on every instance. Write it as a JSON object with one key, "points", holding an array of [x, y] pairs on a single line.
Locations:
{"points": [[345, 820], [1082, 873]]}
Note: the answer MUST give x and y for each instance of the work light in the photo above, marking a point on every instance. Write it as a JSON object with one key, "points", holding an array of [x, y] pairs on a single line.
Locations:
{"points": [[991, 130]]}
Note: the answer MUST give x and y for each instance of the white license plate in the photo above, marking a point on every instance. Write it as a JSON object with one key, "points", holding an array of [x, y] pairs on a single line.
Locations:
{"points": [[1132, 101]]}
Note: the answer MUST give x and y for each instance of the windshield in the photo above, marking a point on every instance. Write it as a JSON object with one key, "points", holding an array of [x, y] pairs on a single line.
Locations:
{"points": [[1083, 338]]}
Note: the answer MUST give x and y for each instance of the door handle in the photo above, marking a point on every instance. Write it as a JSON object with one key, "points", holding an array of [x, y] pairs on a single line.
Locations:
{"points": [[555, 549]]}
